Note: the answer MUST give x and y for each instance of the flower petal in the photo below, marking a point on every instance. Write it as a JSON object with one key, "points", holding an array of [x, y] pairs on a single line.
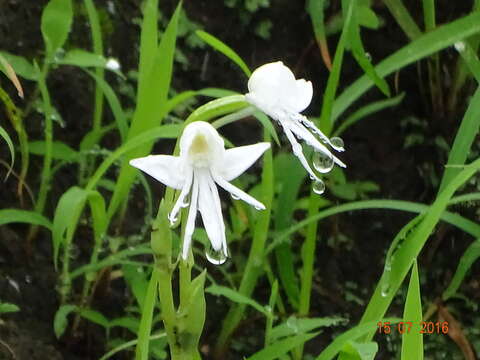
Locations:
{"points": [[164, 168], [271, 77], [273, 86], [208, 204], [239, 159], [298, 95], [192, 215], [237, 192], [303, 133], [181, 198], [297, 149]]}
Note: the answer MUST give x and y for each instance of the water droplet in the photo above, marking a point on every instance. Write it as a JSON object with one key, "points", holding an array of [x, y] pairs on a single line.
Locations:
{"points": [[234, 197], [112, 64], [185, 203], [259, 208], [292, 323], [368, 56], [172, 219], [337, 143], [322, 162], [385, 289], [216, 257], [459, 46], [319, 187]]}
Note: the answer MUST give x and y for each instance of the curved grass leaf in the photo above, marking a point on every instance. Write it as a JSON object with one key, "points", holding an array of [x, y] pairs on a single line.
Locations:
{"points": [[9, 142], [468, 258], [464, 138], [295, 325], [60, 150], [20, 65], [351, 335], [235, 296], [60, 321], [221, 47], [367, 110], [438, 39], [9, 216], [280, 348], [452, 218]]}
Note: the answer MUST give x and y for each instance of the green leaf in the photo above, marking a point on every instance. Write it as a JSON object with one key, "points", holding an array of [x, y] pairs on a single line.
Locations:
{"points": [[82, 58], [349, 336], [60, 150], [359, 53], [137, 282], [57, 20], [412, 339], [114, 103], [8, 216], [6, 308], [155, 74], [235, 296], [427, 44], [464, 138], [295, 325], [367, 110], [20, 65], [221, 47], [409, 249], [60, 321], [95, 317], [359, 351], [279, 348], [468, 258], [142, 349], [9, 142]]}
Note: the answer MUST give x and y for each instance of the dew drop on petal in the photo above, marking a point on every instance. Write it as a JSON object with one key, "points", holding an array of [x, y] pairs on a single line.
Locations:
{"points": [[185, 203], [318, 187], [337, 143], [322, 162], [259, 208], [234, 197], [216, 257]]}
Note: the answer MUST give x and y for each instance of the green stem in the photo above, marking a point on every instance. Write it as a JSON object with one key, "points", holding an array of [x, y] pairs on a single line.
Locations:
{"points": [[308, 259], [47, 160], [403, 18], [254, 265]]}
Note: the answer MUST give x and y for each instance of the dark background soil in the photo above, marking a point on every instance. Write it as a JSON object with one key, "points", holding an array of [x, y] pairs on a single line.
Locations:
{"points": [[375, 152]]}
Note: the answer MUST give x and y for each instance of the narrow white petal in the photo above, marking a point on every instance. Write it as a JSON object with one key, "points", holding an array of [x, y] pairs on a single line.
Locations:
{"points": [[237, 192], [207, 205], [298, 151], [190, 226], [164, 168], [218, 209], [181, 198], [239, 159], [301, 132], [317, 131]]}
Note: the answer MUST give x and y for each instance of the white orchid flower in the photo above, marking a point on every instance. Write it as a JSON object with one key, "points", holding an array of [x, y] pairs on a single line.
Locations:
{"points": [[274, 90], [203, 163]]}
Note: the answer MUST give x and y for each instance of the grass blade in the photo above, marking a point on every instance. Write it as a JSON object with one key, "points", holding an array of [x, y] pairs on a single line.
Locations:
{"points": [[412, 338], [8, 216], [223, 48], [438, 39]]}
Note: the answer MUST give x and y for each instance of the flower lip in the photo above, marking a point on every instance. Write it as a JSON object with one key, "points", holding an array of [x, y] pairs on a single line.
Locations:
{"points": [[200, 145]]}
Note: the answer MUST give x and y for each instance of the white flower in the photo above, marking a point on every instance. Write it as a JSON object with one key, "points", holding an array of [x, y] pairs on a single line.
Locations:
{"points": [[202, 165], [274, 90]]}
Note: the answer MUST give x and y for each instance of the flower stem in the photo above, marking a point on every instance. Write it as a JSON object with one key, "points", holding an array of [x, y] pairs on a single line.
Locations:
{"points": [[254, 265]]}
